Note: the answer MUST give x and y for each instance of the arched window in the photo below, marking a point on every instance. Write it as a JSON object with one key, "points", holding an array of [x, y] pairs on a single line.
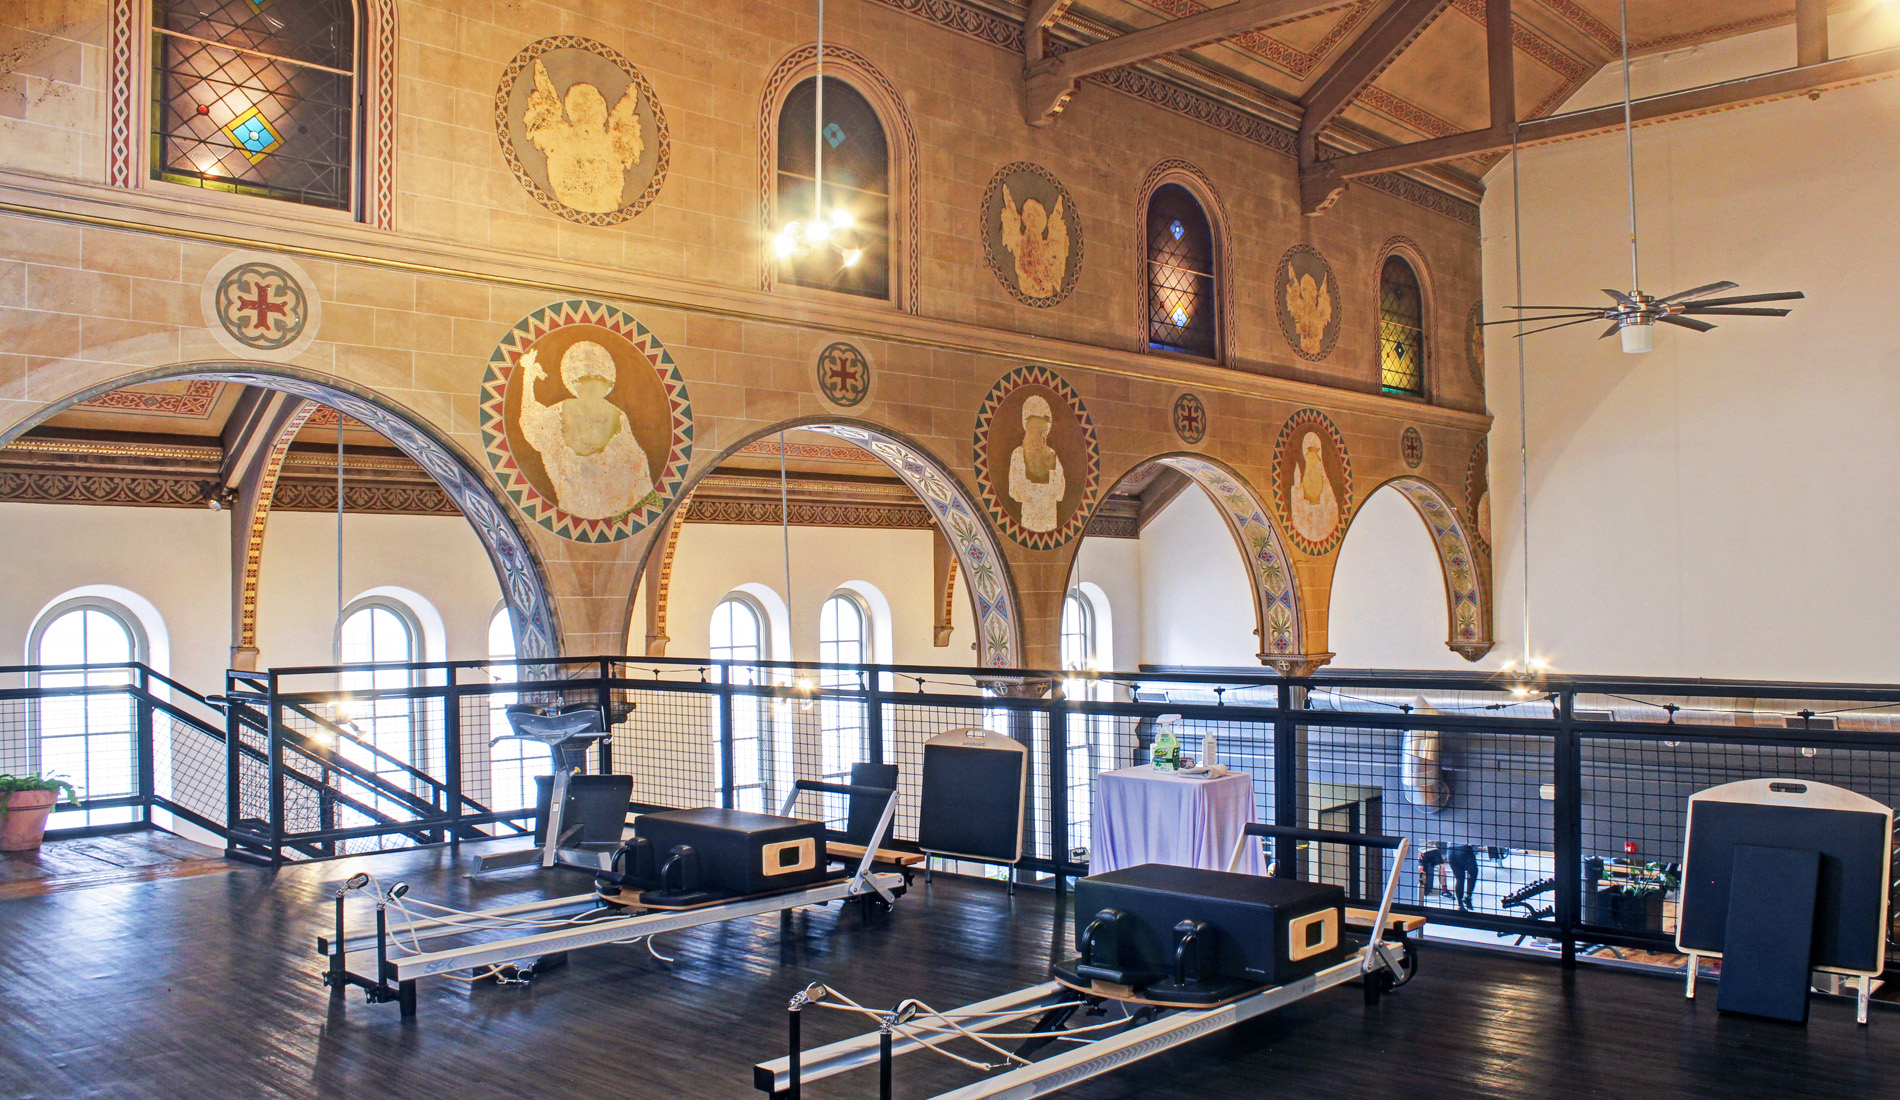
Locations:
{"points": [[512, 763], [1078, 632], [844, 638], [379, 630], [257, 98], [739, 634], [90, 740], [1182, 307], [857, 182], [1091, 747], [1401, 329]]}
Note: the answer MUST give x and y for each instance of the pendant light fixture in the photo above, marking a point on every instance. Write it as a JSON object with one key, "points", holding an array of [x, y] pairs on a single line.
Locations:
{"points": [[834, 231]]}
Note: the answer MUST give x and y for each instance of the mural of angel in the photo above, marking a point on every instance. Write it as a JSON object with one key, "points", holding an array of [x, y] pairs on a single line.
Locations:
{"points": [[589, 148], [1315, 506], [1036, 480], [586, 443], [1310, 303], [1039, 239]]}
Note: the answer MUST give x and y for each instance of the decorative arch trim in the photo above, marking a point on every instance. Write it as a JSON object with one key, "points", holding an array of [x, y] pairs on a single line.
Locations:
{"points": [[523, 582], [259, 518], [975, 544], [901, 139], [127, 120], [1189, 176], [1467, 597]]}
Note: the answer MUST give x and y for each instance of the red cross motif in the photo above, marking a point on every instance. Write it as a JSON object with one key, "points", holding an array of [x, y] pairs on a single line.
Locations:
{"points": [[1189, 417], [260, 306], [841, 372]]}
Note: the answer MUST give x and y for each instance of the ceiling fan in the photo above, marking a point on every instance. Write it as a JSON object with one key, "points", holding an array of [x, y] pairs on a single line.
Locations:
{"points": [[1635, 315]]}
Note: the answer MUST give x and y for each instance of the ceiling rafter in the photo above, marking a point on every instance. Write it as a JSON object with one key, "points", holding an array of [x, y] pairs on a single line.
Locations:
{"points": [[1049, 82]]}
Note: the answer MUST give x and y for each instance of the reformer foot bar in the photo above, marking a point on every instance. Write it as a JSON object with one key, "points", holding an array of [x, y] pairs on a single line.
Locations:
{"points": [[1385, 961], [403, 953]]}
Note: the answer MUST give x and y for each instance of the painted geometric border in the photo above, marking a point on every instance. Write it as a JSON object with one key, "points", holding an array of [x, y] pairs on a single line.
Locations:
{"points": [[663, 160], [1282, 478], [1411, 448], [1276, 595], [997, 263], [1470, 625], [501, 459], [986, 484], [1478, 468]]}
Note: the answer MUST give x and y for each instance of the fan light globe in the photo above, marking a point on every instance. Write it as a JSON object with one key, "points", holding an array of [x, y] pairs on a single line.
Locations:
{"points": [[842, 219], [1637, 338]]}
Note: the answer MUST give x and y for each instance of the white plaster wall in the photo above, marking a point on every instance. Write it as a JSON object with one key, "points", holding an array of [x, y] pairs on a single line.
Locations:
{"points": [[712, 559], [1196, 602], [1388, 608], [177, 558], [1114, 565], [1725, 505], [436, 557]]}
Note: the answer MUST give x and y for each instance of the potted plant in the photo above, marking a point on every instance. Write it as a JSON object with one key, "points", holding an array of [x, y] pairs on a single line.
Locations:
{"points": [[25, 803], [1634, 903]]}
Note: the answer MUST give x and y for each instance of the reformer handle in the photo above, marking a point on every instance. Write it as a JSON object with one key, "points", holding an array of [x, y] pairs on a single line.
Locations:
{"points": [[840, 788]]}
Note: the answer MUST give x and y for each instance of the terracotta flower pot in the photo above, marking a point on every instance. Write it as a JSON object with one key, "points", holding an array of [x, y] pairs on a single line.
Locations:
{"points": [[25, 823]]}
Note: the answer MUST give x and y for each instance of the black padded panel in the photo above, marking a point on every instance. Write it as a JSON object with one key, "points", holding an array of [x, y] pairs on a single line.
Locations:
{"points": [[972, 803], [597, 803], [1765, 970], [1853, 877], [864, 811]]}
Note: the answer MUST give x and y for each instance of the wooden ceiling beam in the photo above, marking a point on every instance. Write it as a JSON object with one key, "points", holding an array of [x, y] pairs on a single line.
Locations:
{"points": [[1048, 82], [1357, 66], [1810, 32], [1781, 84]]}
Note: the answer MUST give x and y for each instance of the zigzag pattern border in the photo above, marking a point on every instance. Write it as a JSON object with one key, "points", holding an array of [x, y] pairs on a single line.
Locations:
{"points": [[1035, 375]]}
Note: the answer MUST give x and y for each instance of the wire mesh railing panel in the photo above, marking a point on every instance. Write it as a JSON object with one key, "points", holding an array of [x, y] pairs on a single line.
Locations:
{"points": [[1472, 803], [668, 741], [198, 772]]}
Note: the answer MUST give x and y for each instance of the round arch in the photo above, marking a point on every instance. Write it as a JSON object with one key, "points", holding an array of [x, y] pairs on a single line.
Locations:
{"points": [[985, 571], [523, 582], [1467, 611], [1279, 624], [1186, 175], [901, 138], [1407, 249]]}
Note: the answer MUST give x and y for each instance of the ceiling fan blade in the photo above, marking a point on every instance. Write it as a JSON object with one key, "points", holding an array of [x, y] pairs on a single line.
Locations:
{"points": [[1619, 297], [1697, 292], [1686, 322], [1611, 331], [1592, 309], [1744, 299], [1547, 328], [1546, 317], [1737, 311]]}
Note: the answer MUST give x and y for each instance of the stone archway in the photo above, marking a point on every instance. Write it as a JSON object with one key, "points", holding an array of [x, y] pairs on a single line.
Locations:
{"points": [[523, 583], [1467, 611], [979, 558]]}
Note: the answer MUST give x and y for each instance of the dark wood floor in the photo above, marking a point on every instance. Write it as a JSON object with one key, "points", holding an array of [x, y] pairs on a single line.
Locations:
{"points": [[205, 988], [81, 863]]}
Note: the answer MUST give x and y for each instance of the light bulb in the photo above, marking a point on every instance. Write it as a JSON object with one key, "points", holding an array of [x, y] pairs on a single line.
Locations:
{"points": [[804, 683], [818, 232], [784, 246], [343, 711], [852, 256], [1637, 338], [1539, 663], [842, 219]]}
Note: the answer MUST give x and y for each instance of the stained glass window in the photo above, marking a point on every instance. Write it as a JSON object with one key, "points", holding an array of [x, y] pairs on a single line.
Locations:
{"points": [[1401, 329], [857, 180], [1181, 302], [256, 97]]}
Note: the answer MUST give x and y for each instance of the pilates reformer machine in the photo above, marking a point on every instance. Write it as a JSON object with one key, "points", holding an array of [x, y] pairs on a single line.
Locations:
{"points": [[1165, 955], [682, 869]]}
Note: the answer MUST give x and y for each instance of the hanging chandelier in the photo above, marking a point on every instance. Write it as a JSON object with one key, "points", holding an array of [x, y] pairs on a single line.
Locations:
{"points": [[835, 231]]}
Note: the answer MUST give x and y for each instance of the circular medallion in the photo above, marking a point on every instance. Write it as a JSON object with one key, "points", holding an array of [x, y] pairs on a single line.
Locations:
{"points": [[1474, 343], [1032, 234], [1307, 300], [844, 376], [580, 128], [1190, 418], [261, 305], [1412, 447], [1478, 494], [1037, 460], [586, 421], [1312, 481]]}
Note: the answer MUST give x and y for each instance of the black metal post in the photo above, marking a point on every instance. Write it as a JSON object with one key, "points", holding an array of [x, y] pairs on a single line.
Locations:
{"points": [[728, 699], [1567, 827], [1286, 778], [339, 956], [452, 757], [1059, 808], [792, 1084], [274, 743], [147, 754], [873, 715], [884, 1062], [233, 779], [604, 696]]}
